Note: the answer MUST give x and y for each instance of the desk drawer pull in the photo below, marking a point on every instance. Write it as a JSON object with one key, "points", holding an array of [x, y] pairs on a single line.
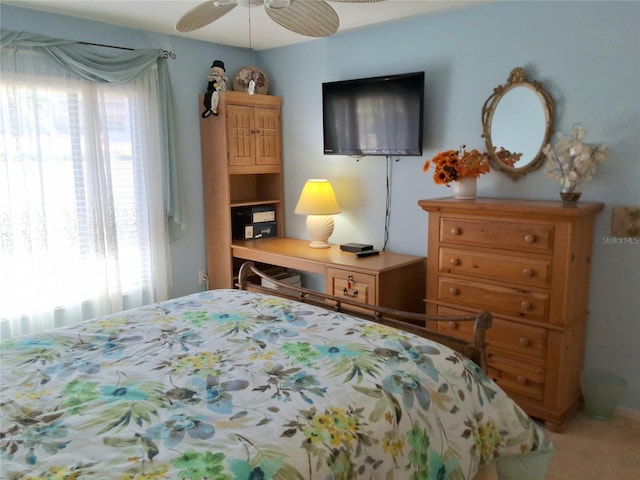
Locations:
{"points": [[529, 238], [527, 272], [454, 291], [455, 261], [524, 342], [525, 305], [349, 291]]}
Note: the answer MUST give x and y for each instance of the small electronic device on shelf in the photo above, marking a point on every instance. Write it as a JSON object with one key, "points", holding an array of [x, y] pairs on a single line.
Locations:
{"points": [[355, 247], [367, 253]]}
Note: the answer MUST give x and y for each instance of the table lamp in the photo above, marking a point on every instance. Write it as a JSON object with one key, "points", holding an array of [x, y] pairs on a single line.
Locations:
{"points": [[319, 203]]}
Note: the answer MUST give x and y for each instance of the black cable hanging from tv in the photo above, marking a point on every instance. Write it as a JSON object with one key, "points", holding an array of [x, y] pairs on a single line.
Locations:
{"points": [[387, 209]]}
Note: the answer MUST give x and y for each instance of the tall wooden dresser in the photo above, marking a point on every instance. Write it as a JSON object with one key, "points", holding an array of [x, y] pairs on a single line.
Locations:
{"points": [[526, 262]]}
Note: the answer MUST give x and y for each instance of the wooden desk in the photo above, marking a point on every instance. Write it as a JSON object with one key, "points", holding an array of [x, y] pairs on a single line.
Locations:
{"points": [[390, 280]]}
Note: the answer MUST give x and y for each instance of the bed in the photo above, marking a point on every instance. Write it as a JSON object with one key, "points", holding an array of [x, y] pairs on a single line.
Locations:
{"points": [[242, 384]]}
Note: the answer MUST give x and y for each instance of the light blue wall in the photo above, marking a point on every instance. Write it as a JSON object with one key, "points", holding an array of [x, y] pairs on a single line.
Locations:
{"points": [[585, 53]]}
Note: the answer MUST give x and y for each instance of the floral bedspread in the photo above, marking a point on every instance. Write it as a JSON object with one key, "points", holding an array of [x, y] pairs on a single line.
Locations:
{"points": [[234, 385]]}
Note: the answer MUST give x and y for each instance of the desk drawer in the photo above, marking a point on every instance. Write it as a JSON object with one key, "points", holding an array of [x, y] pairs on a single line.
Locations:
{"points": [[495, 299], [510, 268], [511, 236], [359, 287]]}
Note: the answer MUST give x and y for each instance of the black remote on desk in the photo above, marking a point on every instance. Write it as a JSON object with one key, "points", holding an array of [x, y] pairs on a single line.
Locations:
{"points": [[366, 253]]}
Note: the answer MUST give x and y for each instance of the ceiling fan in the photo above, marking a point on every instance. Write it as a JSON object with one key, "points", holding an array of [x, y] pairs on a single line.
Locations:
{"points": [[312, 18]]}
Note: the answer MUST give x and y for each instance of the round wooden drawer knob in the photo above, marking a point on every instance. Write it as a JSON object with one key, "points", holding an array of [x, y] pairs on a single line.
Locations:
{"points": [[524, 342], [521, 380], [454, 291], [525, 305], [453, 325], [455, 231], [455, 261], [529, 238], [527, 272]]}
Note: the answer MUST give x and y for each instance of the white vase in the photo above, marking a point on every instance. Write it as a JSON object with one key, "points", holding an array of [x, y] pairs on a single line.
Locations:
{"points": [[465, 188]]}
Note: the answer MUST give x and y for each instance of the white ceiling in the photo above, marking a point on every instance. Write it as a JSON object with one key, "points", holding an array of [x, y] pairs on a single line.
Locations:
{"points": [[233, 28]]}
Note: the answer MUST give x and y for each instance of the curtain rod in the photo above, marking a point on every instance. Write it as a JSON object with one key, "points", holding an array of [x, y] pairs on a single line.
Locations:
{"points": [[167, 53]]}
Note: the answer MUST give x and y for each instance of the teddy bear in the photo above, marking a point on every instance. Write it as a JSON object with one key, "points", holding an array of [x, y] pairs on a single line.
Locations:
{"points": [[217, 83]]}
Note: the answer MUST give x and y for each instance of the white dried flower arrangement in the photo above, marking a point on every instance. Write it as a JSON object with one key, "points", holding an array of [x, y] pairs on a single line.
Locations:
{"points": [[570, 160]]}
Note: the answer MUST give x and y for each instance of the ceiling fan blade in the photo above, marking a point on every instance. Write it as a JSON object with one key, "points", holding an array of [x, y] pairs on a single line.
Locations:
{"points": [[312, 19], [202, 15]]}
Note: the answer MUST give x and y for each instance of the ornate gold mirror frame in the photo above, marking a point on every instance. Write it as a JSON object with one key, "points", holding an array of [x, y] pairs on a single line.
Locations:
{"points": [[516, 125]]}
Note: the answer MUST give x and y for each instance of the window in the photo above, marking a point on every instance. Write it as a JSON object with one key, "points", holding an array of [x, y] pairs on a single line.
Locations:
{"points": [[80, 200]]}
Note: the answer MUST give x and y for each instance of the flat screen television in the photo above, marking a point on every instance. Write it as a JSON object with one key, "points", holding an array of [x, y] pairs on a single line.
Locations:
{"points": [[374, 116]]}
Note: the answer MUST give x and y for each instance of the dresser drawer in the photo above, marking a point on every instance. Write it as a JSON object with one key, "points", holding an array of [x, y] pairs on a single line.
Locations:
{"points": [[495, 299], [503, 235], [510, 268], [522, 340], [359, 287], [463, 330], [516, 377]]}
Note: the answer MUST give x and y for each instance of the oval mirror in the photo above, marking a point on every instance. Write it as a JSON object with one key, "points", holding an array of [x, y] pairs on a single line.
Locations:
{"points": [[516, 124]]}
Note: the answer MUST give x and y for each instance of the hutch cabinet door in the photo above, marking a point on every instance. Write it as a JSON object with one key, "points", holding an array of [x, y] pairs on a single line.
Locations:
{"points": [[240, 132], [253, 135], [267, 136]]}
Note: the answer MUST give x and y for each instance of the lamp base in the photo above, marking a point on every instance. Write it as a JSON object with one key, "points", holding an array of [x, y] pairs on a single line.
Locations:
{"points": [[315, 244], [320, 228]]}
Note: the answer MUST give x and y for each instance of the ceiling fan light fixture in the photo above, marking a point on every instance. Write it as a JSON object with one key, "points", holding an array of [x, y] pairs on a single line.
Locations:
{"points": [[276, 4], [249, 3]]}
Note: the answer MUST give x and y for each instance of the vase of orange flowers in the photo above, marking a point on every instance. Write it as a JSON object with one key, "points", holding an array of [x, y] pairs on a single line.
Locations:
{"points": [[465, 188], [461, 167]]}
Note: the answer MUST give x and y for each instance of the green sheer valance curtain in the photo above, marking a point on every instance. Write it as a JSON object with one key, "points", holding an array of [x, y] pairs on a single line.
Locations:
{"points": [[85, 62]]}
